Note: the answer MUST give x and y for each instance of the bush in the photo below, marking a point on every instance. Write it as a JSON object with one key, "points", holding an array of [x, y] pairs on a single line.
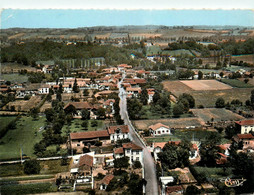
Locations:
{"points": [[94, 123], [137, 165], [32, 167]]}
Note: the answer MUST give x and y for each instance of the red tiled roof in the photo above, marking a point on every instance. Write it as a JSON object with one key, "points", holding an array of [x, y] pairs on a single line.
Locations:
{"points": [[133, 89], [159, 144], [245, 136], [86, 160], [89, 134], [224, 146], [80, 105], [132, 146], [171, 189], [118, 150], [123, 128], [157, 126], [246, 122], [107, 179]]}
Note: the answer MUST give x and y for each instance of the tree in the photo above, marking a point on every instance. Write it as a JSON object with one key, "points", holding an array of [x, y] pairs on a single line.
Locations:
{"points": [[209, 151], [192, 190], [85, 114], [137, 164], [200, 75], [101, 113], [58, 96], [220, 103], [85, 124], [173, 156], [75, 86], [190, 99], [144, 96], [32, 167], [246, 80], [230, 131], [94, 123], [252, 98], [134, 107], [178, 109], [121, 162], [70, 109], [85, 92], [156, 97]]}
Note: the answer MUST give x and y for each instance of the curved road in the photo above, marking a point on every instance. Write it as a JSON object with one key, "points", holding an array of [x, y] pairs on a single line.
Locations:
{"points": [[149, 167]]}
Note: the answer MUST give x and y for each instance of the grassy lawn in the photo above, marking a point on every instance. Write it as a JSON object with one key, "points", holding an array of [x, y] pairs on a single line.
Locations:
{"points": [[213, 172], [76, 126], [5, 120], [28, 188], [164, 138], [14, 78], [25, 135], [53, 166], [25, 178], [237, 83], [11, 170], [47, 168]]}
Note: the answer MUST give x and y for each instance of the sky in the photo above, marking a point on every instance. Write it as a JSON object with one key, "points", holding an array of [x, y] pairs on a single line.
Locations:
{"points": [[28, 14]]}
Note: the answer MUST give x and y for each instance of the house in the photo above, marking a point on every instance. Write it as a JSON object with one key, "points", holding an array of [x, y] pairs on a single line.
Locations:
{"points": [[118, 132], [247, 139], [245, 126], [131, 150], [225, 148], [123, 67], [150, 93], [79, 106], [85, 165], [159, 129], [105, 181], [44, 89], [81, 139], [165, 180], [133, 91]]}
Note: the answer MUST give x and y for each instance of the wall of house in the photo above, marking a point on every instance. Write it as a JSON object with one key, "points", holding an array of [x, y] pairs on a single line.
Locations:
{"points": [[162, 131], [134, 156], [247, 129], [119, 136]]}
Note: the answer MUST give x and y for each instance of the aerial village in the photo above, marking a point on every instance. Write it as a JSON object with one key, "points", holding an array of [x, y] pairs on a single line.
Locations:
{"points": [[174, 123]]}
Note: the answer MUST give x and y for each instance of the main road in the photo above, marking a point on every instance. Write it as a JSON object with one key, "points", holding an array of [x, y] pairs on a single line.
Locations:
{"points": [[149, 166]]}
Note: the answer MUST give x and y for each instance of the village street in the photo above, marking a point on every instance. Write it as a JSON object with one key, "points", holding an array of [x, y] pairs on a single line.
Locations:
{"points": [[149, 166]]}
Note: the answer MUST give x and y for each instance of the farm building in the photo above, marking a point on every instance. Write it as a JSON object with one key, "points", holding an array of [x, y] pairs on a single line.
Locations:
{"points": [[159, 129], [245, 126]]}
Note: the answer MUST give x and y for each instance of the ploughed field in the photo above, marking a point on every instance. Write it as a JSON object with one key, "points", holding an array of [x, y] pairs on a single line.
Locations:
{"points": [[206, 92]]}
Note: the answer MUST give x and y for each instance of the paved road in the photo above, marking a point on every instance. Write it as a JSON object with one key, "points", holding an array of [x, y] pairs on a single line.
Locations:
{"points": [[150, 172]]}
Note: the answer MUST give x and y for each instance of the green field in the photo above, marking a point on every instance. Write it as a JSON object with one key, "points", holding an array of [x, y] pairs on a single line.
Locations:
{"points": [[237, 83], [164, 138], [4, 121], [213, 173], [47, 168], [25, 135], [208, 98], [76, 126], [28, 188], [14, 78]]}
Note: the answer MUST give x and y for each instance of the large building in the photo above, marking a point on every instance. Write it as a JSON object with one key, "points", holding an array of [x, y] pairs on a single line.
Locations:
{"points": [[245, 126]]}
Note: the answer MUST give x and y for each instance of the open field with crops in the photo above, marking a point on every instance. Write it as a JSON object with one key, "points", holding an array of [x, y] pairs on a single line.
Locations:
{"points": [[15, 68], [218, 114], [14, 78], [237, 83], [204, 85], [249, 58], [206, 97]]}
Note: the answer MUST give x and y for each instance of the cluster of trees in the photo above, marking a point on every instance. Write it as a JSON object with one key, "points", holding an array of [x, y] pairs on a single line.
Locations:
{"points": [[36, 77], [30, 52], [133, 181], [116, 106], [134, 107], [56, 118], [173, 156], [184, 103], [185, 74], [161, 103]]}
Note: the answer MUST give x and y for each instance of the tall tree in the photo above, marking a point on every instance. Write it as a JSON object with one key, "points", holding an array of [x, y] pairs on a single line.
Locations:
{"points": [[75, 86]]}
